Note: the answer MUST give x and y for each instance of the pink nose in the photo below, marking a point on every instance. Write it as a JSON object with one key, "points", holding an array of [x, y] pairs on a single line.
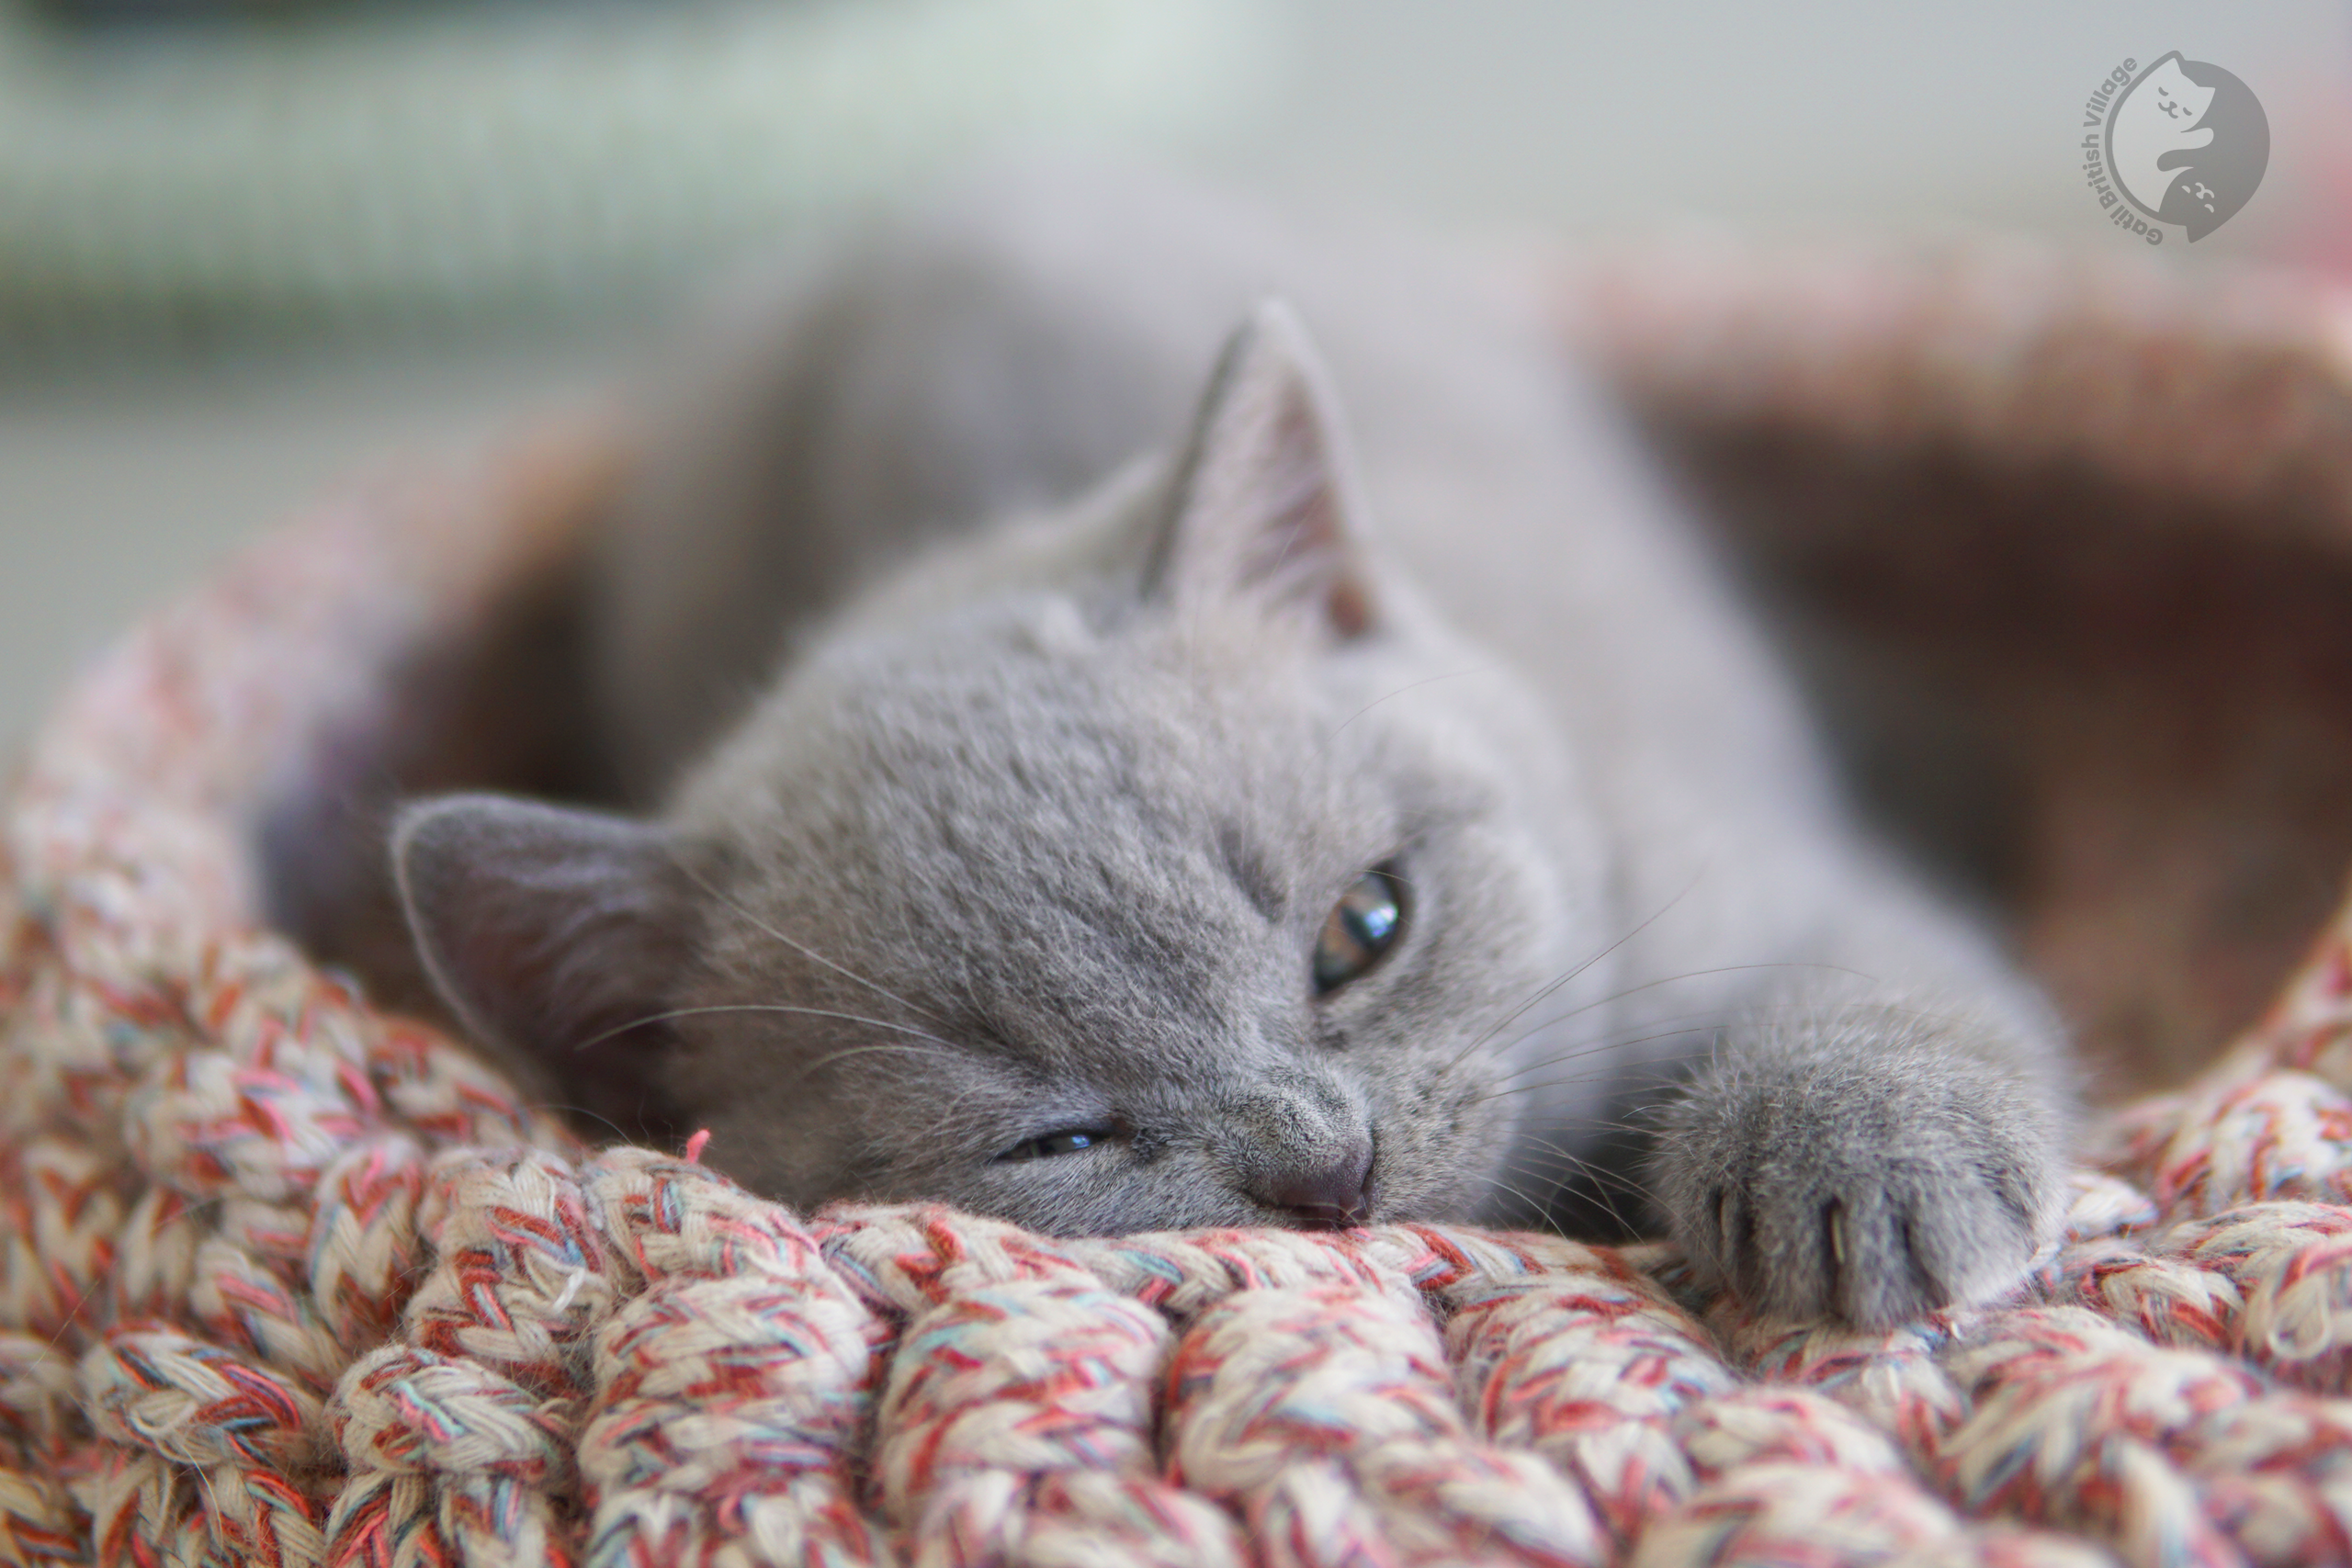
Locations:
{"points": [[1331, 1197]]}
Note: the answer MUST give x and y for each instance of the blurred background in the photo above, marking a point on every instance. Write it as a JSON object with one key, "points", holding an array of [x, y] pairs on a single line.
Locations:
{"points": [[248, 246]]}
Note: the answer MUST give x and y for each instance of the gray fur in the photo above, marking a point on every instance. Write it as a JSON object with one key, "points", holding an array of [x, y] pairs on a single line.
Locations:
{"points": [[1074, 746]]}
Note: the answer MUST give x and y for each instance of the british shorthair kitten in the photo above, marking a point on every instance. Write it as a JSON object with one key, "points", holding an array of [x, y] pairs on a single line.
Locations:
{"points": [[1346, 794]]}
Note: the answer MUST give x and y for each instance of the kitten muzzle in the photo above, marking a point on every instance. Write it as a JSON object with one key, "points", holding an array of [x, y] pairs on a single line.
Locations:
{"points": [[1335, 1195]]}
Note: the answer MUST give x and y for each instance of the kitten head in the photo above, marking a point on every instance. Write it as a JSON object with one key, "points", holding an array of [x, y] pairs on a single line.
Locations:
{"points": [[1157, 865]]}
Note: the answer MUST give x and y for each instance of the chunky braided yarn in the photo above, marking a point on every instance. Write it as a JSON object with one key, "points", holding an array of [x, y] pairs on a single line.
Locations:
{"points": [[285, 1280]]}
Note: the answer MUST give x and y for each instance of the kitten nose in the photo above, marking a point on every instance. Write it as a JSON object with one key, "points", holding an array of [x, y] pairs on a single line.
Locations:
{"points": [[1333, 1196]]}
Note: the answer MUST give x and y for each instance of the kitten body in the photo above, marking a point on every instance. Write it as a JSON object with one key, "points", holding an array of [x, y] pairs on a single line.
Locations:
{"points": [[1009, 887]]}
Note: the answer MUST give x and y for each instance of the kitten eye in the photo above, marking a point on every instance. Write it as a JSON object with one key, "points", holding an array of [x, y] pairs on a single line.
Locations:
{"points": [[1068, 1141], [1362, 928]]}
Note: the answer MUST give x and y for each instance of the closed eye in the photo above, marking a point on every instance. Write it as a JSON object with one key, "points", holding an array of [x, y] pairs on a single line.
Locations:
{"points": [[1067, 1141]]}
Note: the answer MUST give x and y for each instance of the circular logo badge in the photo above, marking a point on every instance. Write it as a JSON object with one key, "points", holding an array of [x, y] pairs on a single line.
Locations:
{"points": [[2186, 144]]}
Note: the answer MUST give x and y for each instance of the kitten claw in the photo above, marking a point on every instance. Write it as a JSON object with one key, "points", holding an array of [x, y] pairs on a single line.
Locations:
{"points": [[1873, 1190]]}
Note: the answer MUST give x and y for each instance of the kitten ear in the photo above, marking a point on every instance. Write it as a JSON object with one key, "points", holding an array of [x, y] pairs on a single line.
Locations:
{"points": [[550, 932], [1265, 503]]}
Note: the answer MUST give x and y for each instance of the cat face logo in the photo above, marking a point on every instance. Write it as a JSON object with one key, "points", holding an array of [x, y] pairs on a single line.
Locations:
{"points": [[2186, 144]]}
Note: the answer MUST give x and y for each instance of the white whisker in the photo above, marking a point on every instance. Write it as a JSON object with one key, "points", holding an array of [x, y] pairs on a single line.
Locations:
{"points": [[803, 948]]}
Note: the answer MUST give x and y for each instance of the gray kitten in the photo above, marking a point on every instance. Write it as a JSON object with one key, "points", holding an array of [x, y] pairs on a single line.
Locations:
{"points": [[1347, 794]]}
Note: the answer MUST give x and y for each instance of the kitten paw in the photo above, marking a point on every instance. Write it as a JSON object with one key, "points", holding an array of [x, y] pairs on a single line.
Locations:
{"points": [[1873, 1187]]}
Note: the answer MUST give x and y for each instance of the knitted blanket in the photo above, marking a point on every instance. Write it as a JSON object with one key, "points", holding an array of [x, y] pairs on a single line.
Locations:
{"points": [[287, 1277]]}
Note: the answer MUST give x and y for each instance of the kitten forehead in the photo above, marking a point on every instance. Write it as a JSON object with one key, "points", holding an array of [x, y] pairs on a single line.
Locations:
{"points": [[1022, 713], [1014, 783]]}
